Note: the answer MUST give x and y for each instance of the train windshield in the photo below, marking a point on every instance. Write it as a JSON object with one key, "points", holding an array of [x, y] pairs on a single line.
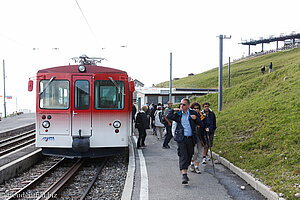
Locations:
{"points": [[54, 95], [109, 95]]}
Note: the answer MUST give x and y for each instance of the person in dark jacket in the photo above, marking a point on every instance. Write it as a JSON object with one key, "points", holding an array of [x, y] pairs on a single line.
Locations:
{"points": [[263, 69], [210, 127], [133, 112], [185, 134], [148, 116], [141, 125], [152, 111], [168, 124], [271, 67]]}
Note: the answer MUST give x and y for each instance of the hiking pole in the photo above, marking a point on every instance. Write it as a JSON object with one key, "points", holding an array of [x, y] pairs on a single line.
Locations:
{"points": [[209, 145]]}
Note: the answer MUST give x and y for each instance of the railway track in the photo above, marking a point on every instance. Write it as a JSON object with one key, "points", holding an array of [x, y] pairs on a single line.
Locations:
{"points": [[16, 142], [59, 178]]}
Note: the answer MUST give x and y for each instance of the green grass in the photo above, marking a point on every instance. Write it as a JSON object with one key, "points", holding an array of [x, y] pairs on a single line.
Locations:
{"points": [[259, 126]]}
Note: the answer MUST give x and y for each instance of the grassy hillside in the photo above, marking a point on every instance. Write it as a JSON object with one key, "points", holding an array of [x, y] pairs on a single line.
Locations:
{"points": [[259, 126], [239, 72]]}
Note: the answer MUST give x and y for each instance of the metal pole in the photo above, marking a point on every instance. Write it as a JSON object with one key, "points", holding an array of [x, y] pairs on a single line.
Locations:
{"points": [[229, 73], [16, 104], [249, 51], [220, 74], [4, 88], [170, 93], [221, 37]]}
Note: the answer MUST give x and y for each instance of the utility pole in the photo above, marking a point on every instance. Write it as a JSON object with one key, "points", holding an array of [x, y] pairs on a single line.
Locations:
{"points": [[170, 93], [229, 73], [16, 104], [4, 88], [221, 37]]}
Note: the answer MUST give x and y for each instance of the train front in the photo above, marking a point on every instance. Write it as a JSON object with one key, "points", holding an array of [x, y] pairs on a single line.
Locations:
{"points": [[83, 112]]}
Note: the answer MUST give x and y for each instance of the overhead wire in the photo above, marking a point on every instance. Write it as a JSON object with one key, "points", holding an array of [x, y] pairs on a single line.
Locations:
{"points": [[87, 22], [13, 41]]}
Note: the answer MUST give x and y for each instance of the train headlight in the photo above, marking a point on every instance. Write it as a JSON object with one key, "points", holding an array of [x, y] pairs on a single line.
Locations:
{"points": [[81, 68], [117, 124], [46, 124]]}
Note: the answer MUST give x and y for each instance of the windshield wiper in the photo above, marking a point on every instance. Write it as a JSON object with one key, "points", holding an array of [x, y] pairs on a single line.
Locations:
{"points": [[48, 84], [116, 85]]}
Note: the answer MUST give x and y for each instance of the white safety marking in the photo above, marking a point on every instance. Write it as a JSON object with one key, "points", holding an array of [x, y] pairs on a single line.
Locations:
{"points": [[144, 174]]}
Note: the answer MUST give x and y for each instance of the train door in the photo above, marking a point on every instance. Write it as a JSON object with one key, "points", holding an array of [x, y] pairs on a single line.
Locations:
{"points": [[82, 106]]}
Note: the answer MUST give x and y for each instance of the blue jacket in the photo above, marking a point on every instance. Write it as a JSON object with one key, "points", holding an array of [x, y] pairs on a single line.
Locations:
{"points": [[179, 132]]}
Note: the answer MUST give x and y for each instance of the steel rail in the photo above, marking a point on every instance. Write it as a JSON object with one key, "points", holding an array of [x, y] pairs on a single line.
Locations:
{"points": [[51, 191], [99, 169], [35, 181], [17, 138], [2, 153]]}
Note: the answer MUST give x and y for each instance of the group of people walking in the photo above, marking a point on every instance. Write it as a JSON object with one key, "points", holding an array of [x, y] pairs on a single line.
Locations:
{"points": [[156, 115], [193, 131]]}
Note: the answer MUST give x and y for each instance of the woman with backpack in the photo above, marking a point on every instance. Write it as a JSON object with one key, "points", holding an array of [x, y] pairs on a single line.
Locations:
{"points": [[158, 116]]}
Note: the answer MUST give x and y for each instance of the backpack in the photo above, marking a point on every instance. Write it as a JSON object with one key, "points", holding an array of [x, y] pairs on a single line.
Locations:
{"points": [[158, 118], [161, 118]]}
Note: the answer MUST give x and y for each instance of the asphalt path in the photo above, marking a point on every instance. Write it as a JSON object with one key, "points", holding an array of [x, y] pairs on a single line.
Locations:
{"points": [[164, 178]]}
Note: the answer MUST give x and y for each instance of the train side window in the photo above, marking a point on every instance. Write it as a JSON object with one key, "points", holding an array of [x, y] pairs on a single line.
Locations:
{"points": [[108, 95], [82, 94]]}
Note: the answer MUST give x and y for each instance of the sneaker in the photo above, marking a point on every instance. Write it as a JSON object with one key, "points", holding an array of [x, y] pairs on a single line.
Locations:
{"points": [[197, 170], [192, 168], [185, 179], [204, 161], [166, 147]]}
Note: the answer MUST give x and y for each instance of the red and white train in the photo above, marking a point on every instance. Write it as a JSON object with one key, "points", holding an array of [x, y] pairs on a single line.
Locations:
{"points": [[83, 110]]}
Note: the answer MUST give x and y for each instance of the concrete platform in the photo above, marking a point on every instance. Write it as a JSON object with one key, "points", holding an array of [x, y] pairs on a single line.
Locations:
{"points": [[16, 124], [22, 159]]}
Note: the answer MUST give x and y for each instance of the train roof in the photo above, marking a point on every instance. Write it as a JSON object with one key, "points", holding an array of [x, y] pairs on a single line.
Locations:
{"points": [[89, 69]]}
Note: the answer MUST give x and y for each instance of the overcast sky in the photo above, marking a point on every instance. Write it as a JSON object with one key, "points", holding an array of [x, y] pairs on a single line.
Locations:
{"points": [[150, 30]]}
